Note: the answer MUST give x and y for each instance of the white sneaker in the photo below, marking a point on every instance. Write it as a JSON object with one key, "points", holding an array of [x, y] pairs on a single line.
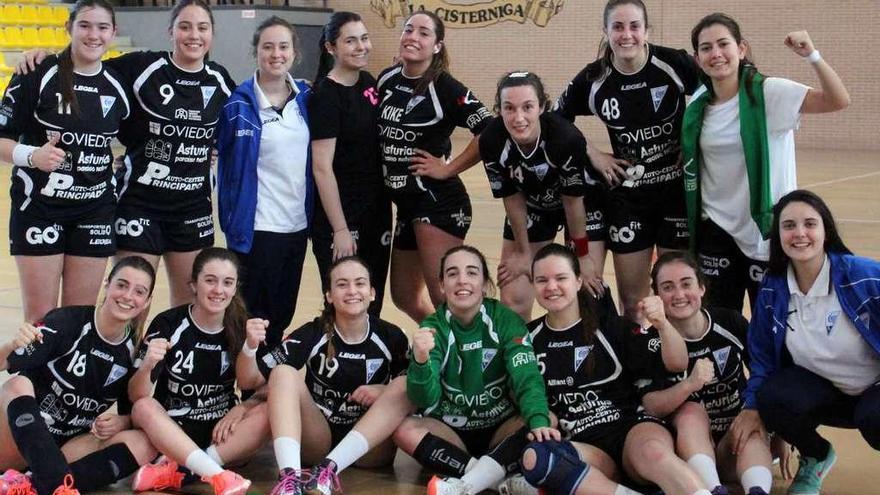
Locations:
{"points": [[516, 485], [447, 486]]}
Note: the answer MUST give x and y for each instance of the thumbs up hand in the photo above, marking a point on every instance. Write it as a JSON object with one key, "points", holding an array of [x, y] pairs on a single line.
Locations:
{"points": [[48, 157]]}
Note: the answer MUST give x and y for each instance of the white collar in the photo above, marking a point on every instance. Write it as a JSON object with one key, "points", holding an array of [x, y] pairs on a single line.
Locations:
{"points": [[821, 286]]}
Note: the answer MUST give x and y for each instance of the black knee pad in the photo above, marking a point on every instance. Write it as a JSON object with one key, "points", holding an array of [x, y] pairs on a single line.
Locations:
{"points": [[558, 467]]}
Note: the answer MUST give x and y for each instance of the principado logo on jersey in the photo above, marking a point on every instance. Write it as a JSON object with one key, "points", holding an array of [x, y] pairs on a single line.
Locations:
{"points": [[471, 15]]}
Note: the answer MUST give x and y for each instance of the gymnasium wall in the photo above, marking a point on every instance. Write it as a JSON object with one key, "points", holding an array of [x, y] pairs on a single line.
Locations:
{"points": [[840, 30]]}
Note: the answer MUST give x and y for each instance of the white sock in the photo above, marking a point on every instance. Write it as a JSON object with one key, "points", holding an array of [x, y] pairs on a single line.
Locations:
{"points": [[201, 463], [622, 490], [287, 453], [703, 492], [485, 474], [352, 447], [471, 464], [758, 476], [213, 454], [704, 466]]}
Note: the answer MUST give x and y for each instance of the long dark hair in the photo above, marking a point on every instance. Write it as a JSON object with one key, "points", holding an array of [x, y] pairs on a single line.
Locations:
{"points": [[330, 34], [439, 60], [65, 58], [682, 257], [276, 21], [605, 54], [778, 263], [182, 4], [327, 319], [522, 78], [490, 291], [746, 66], [587, 304], [138, 263], [235, 317]]}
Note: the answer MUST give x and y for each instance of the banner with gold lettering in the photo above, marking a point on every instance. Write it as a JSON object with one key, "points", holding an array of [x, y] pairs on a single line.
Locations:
{"points": [[475, 15]]}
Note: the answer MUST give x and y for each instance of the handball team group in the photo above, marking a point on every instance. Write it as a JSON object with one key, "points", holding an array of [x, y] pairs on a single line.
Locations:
{"points": [[661, 387]]}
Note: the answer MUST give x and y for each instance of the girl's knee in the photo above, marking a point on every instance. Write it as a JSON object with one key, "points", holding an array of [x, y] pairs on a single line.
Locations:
{"points": [[16, 386], [145, 412]]}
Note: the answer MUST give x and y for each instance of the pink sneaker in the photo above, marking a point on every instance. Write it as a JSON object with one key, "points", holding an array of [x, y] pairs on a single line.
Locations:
{"points": [[14, 483], [228, 483], [162, 475]]}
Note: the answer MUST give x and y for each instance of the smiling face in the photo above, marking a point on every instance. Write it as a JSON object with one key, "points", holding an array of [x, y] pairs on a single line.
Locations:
{"points": [[192, 34], [802, 233], [275, 54], [556, 285], [215, 286], [350, 290], [91, 33], [680, 290], [521, 111], [463, 282], [718, 53], [418, 42], [127, 293], [352, 48], [627, 32]]}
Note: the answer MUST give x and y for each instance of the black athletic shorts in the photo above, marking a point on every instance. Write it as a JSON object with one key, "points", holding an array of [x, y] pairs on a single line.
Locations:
{"points": [[639, 220], [595, 200], [446, 206], [200, 432], [478, 441], [611, 440], [141, 231], [729, 273], [91, 235], [542, 225]]}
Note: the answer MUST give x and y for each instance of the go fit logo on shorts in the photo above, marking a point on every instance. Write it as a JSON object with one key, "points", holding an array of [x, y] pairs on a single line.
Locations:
{"points": [[49, 235]]}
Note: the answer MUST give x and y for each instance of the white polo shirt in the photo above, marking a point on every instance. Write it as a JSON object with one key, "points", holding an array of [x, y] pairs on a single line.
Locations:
{"points": [[822, 339], [281, 166]]}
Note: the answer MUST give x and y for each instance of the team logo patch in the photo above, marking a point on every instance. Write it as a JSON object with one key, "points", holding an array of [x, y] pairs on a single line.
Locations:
{"points": [[721, 356], [413, 102], [830, 320], [541, 170], [155, 128], [580, 355], [224, 362], [106, 104], [373, 366], [488, 356], [207, 93], [116, 372], [657, 95]]}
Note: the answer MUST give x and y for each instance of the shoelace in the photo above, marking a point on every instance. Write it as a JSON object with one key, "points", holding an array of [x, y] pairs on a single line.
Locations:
{"points": [[66, 488], [288, 484], [20, 485], [328, 477]]}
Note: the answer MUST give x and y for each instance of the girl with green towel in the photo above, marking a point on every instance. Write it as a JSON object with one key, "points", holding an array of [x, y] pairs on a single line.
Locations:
{"points": [[738, 152]]}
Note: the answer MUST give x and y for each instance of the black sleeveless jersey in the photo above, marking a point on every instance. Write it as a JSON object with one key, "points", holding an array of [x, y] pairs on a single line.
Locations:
{"points": [[32, 112], [723, 343], [587, 403], [378, 358], [643, 111], [77, 374], [171, 134], [556, 165], [424, 121], [196, 381]]}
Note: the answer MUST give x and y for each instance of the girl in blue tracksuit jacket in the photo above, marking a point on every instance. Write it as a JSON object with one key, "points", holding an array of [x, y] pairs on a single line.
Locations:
{"points": [[265, 188], [814, 339]]}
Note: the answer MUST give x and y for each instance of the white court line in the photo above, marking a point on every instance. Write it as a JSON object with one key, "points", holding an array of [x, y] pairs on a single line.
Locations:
{"points": [[842, 179]]}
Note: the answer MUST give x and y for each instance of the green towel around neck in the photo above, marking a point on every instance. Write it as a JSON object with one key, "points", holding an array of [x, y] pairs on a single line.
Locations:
{"points": [[753, 132]]}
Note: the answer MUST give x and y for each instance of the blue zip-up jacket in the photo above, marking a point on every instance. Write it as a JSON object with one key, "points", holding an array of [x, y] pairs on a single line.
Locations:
{"points": [[855, 280], [238, 150]]}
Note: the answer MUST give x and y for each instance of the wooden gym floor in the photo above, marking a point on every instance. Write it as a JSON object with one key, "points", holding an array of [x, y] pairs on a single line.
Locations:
{"points": [[849, 181]]}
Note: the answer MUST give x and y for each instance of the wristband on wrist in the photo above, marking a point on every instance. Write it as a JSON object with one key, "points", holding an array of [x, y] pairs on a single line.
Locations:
{"points": [[580, 246], [23, 155], [247, 350], [814, 57]]}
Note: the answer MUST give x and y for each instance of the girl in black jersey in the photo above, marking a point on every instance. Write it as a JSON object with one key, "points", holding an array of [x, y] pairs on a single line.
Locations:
{"points": [[189, 355], [164, 190], [535, 161], [56, 124], [69, 369], [420, 104], [350, 396], [637, 90], [590, 358], [703, 402], [354, 214]]}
